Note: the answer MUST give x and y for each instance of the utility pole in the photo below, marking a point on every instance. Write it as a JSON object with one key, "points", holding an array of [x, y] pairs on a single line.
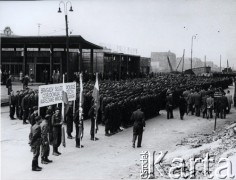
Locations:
{"points": [[227, 65], [39, 29], [193, 37], [205, 63], [183, 62], [220, 63]]}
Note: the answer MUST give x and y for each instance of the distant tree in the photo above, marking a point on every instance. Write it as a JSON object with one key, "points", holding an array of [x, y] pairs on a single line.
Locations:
{"points": [[7, 31]]}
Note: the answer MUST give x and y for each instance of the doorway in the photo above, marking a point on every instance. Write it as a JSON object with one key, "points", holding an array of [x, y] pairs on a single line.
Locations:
{"points": [[42, 72]]}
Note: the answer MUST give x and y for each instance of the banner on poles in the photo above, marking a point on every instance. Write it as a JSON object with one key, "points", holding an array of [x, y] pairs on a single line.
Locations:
{"points": [[53, 93]]}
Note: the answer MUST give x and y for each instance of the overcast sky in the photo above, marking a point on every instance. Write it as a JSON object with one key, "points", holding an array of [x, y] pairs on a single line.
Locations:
{"points": [[147, 25]]}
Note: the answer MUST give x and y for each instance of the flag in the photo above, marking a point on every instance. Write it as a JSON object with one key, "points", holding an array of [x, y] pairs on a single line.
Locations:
{"points": [[63, 136], [96, 94], [81, 101], [65, 99], [81, 98], [64, 94]]}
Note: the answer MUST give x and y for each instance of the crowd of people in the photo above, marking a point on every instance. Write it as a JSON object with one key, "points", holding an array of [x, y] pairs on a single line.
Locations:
{"points": [[118, 101], [119, 98]]}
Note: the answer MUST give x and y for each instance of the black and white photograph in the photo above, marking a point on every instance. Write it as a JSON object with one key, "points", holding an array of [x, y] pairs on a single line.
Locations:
{"points": [[117, 89]]}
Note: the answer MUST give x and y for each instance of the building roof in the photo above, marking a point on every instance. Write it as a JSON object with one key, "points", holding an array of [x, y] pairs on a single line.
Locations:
{"points": [[120, 54], [46, 41]]}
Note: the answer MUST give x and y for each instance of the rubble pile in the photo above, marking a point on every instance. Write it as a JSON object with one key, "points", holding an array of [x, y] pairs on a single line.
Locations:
{"points": [[226, 138]]}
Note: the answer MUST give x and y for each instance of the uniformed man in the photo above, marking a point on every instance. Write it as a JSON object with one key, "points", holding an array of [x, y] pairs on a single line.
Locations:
{"points": [[31, 103], [224, 105], [92, 114], [210, 105], [25, 107], [79, 128], [69, 120], [190, 103], [197, 102], [25, 81], [48, 116], [217, 101], [139, 122], [12, 104], [182, 106], [21, 96], [9, 84], [45, 141], [56, 125], [35, 143], [204, 105], [17, 96], [33, 115], [169, 106]]}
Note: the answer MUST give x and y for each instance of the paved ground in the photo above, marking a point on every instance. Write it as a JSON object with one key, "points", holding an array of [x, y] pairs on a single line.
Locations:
{"points": [[15, 86], [109, 158]]}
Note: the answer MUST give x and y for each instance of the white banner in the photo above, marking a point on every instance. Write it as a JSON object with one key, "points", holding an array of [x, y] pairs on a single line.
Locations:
{"points": [[52, 94]]}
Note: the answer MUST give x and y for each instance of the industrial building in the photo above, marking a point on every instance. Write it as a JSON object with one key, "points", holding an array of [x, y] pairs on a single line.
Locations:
{"points": [[159, 61]]}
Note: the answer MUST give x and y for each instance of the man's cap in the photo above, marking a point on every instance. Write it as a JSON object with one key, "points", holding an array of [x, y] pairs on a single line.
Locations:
{"points": [[38, 118], [35, 108], [47, 116]]}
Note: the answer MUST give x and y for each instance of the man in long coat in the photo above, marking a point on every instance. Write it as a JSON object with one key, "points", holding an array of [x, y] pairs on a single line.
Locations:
{"points": [[139, 122]]}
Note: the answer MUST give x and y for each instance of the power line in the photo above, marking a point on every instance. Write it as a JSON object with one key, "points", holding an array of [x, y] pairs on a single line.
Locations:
{"points": [[39, 29], [55, 31]]}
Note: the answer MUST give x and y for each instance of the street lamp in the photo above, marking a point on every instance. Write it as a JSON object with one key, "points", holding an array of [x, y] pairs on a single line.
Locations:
{"points": [[67, 38], [121, 59], [128, 60], [193, 37]]}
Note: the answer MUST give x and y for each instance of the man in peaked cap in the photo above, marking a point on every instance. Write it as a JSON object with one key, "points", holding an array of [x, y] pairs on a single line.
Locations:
{"points": [[56, 124], [33, 115], [17, 96], [25, 107], [45, 141], [35, 143], [12, 104]]}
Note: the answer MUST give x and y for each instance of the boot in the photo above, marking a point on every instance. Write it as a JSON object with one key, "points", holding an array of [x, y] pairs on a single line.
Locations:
{"points": [[37, 164], [78, 146], [43, 161], [47, 160], [24, 122], [34, 167], [55, 152]]}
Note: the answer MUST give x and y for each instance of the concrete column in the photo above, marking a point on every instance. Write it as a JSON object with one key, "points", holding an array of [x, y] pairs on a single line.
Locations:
{"points": [[51, 63], [80, 59], [91, 62], [25, 60]]}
